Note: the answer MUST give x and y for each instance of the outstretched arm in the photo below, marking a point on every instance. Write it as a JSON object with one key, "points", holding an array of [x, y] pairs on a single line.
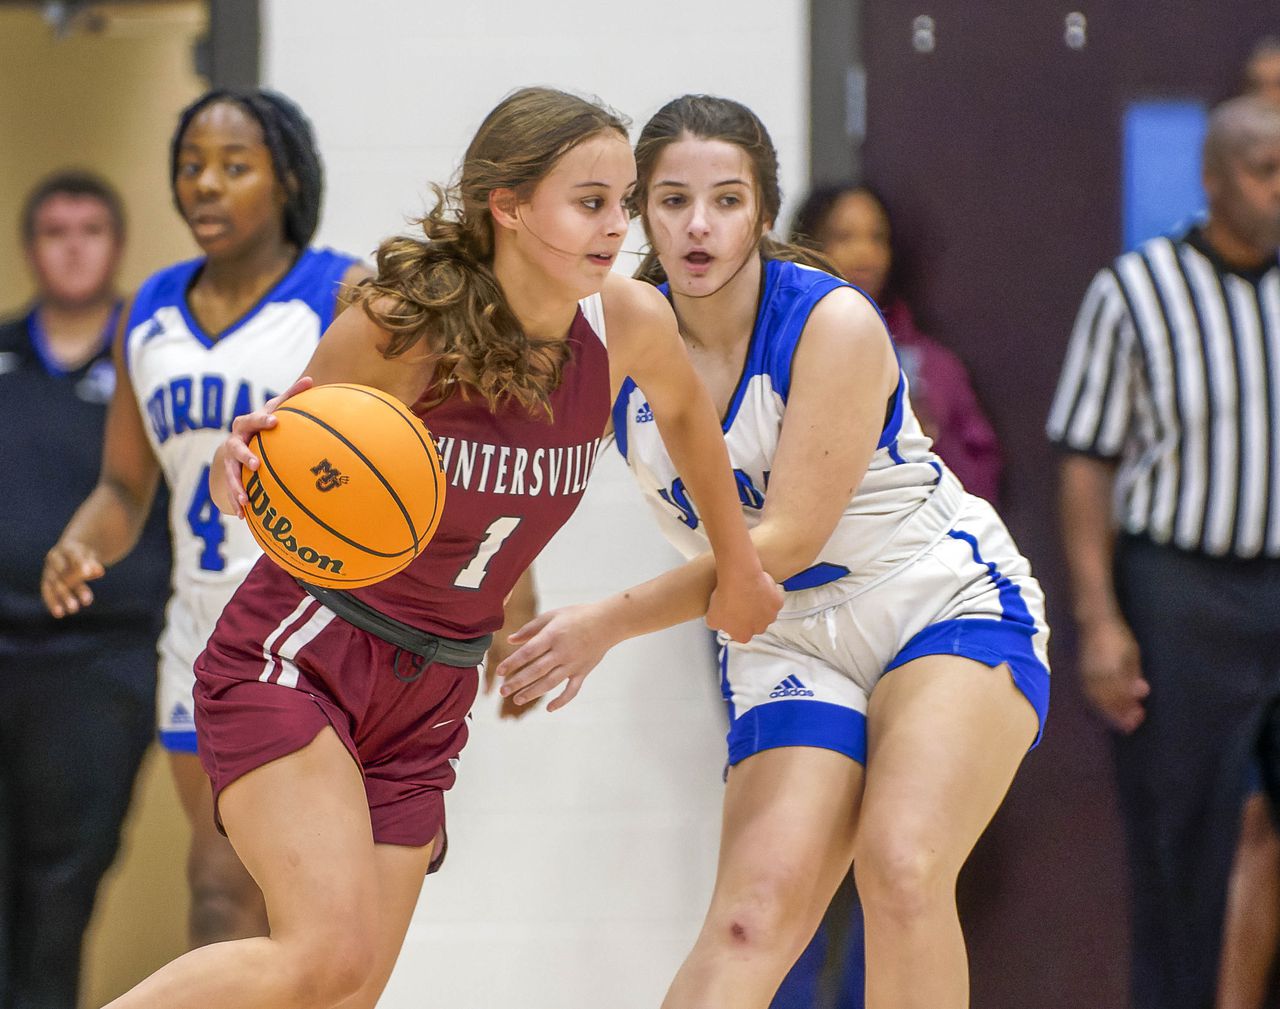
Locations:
{"points": [[645, 345], [842, 376], [106, 526]]}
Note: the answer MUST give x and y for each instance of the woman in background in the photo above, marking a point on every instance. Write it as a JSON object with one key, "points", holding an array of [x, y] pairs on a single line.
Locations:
{"points": [[850, 225]]}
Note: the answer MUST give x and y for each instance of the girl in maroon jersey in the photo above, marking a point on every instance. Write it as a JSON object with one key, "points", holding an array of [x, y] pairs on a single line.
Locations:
{"points": [[329, 722]]}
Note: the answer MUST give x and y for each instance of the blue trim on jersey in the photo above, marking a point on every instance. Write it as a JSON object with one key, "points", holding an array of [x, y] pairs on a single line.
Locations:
{"points": [[313, 279], [893, 426], [178, 740], [991, 642], [790, 293], [799, 723], [785, 312], [620, 414], [821, 573], [163, 289]]}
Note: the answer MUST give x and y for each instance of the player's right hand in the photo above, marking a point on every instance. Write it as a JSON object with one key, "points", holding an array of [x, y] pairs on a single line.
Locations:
{"points": [[67, 567], [225, 485], [744, 605], [557, 647], [1111, 673]]}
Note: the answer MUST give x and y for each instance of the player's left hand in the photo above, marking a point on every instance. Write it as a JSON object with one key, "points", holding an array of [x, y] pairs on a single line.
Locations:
{"points": [[744, 606], [225, 484], [559, 646]]}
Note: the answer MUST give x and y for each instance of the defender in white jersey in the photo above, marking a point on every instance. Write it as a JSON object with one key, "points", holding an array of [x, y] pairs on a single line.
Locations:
{"points": [[884, 713], [201, 343]]}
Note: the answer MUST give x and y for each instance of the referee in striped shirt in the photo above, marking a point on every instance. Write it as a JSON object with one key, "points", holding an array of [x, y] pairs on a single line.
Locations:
{"points": [[1168, 412]]}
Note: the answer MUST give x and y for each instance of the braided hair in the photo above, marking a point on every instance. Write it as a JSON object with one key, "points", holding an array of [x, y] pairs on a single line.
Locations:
{"points": [[287, 133]]}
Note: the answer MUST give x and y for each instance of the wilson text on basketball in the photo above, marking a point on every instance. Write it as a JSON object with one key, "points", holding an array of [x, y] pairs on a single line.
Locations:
{"points": [[278, 528]]}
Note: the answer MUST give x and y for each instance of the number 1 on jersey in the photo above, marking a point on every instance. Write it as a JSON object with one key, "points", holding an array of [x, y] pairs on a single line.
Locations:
{"points": [[474, 573]]}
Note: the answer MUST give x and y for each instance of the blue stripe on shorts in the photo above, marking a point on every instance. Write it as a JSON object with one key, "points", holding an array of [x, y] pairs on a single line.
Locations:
{"points": [[799, 723], [178, 740], [991, 642]]}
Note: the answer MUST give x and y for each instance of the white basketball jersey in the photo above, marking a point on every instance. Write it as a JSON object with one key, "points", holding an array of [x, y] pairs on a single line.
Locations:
{"points": [[190, 386], [902, 477]]}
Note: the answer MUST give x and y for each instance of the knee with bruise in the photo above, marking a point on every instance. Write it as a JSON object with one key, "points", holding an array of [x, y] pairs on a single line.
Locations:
{"points": [[769, 915]]}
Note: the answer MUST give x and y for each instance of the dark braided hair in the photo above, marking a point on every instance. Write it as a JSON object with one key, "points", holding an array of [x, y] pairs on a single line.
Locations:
{"points": [[294, 158]]}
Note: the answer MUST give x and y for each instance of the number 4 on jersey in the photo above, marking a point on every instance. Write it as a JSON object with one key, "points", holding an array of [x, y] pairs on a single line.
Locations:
{"points": [[205, 522], [474, 573]]}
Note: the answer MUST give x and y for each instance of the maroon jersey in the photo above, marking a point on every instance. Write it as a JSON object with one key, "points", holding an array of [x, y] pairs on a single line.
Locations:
{"points": [[514, 478]]}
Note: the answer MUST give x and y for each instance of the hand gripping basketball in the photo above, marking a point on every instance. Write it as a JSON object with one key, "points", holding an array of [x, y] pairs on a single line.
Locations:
{"points": [[225, 483]]}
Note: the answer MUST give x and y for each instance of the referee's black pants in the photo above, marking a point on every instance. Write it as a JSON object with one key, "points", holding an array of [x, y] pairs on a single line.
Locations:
{"points": [[70, 746], [1209, 634]]}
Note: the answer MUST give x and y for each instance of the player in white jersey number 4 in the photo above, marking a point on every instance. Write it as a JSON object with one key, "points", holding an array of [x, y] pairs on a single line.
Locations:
{"points": [[880, 720], [202, 342]]}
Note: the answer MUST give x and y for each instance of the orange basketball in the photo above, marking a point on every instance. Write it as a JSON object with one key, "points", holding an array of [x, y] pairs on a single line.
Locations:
{"points": [[349, 488]]}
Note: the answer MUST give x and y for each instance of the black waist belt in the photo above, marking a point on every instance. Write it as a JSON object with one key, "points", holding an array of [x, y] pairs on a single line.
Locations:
{"points": [[463, 653]]}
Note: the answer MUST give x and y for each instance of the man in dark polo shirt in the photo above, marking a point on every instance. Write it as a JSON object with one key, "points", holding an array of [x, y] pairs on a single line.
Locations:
{"points": [[76, 695]]}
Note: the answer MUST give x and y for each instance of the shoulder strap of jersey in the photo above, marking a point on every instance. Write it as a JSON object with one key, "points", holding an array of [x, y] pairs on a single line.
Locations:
{"points": [[314, 279], [163, 288], [592, 308]]}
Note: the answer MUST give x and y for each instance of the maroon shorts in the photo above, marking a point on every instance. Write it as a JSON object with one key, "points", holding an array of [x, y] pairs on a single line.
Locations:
{"points": [[279, 667]]}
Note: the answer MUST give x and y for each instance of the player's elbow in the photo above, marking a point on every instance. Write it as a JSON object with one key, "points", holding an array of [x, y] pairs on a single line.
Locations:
{"points": [[784, 553]]}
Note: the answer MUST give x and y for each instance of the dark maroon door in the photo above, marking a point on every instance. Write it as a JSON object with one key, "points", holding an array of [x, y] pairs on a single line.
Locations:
{"points": [[1000, 154]]}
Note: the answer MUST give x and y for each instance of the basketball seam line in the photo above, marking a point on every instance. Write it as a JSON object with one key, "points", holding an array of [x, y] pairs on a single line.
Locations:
{"points": [[404, 512], [436, 472], [316, 518]]}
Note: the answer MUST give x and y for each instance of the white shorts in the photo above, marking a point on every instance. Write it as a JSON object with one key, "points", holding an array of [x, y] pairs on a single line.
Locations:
{"points": [[806, 681], [189, 620]]}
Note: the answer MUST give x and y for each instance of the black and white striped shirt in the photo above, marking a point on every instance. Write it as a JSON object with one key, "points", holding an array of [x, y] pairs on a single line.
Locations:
{"points": [[1173, 369]]}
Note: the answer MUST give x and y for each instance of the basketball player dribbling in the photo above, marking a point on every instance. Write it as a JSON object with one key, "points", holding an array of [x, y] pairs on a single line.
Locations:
{"points": [[331, 730], [881, 718], [201, 342]]}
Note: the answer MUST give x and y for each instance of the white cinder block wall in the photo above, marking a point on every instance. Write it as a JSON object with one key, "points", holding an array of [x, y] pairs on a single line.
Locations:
{"points": [[583, 843]]}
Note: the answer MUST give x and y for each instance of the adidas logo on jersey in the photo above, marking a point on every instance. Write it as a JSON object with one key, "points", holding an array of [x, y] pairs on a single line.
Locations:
{"points": [[180, 715], [791, 687], [644, 415]]}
